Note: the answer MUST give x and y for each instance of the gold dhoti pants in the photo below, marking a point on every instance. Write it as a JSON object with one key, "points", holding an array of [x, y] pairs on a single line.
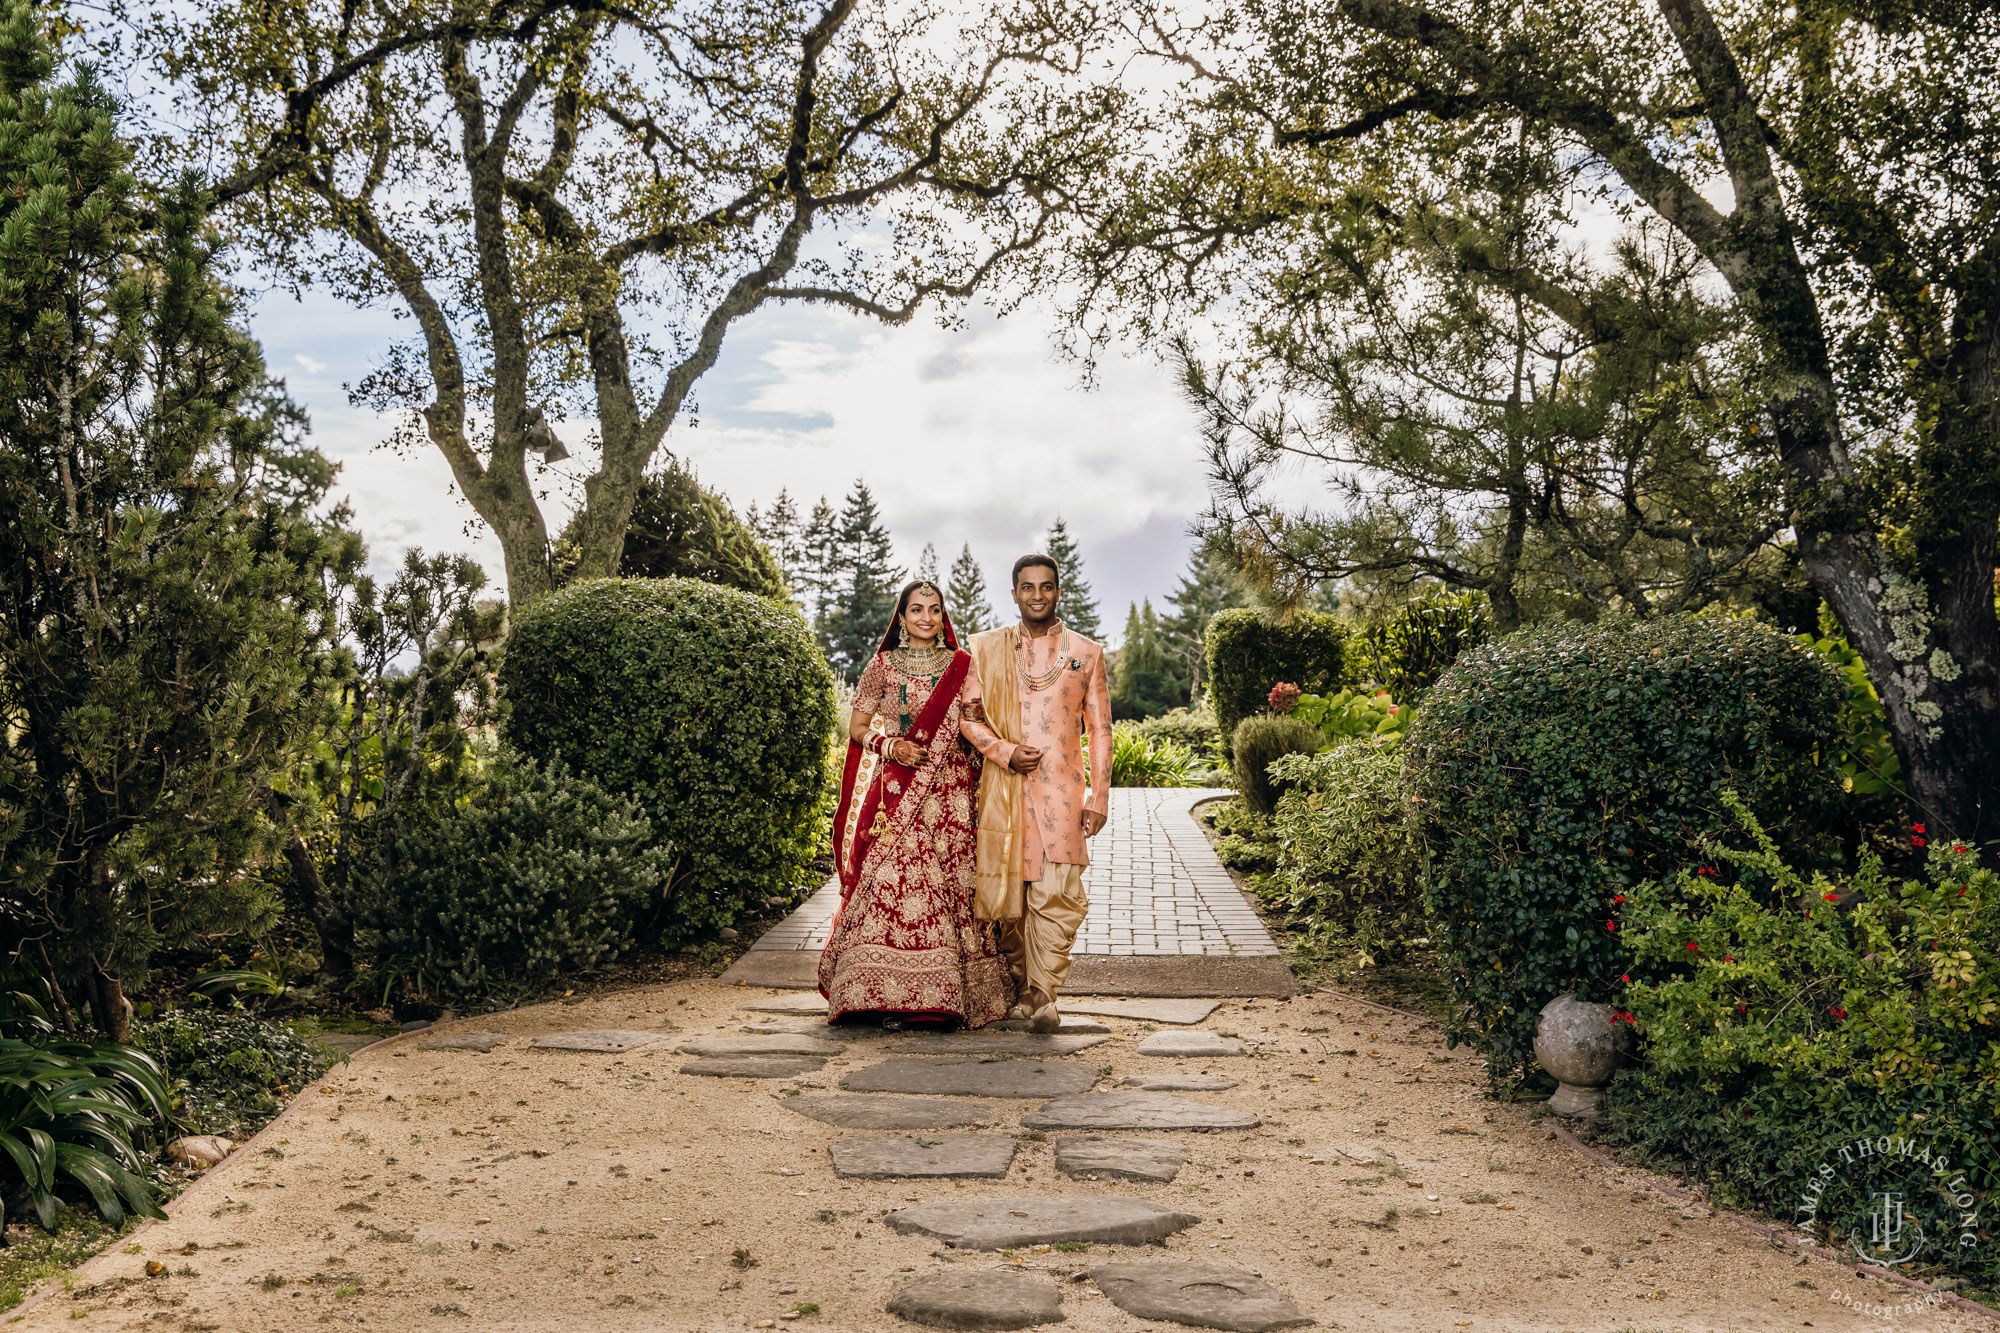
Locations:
{"points": [[1037, 943]]}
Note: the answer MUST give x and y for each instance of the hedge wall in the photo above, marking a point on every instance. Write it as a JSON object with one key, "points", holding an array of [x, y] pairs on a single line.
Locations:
{"points": [[1555, 768], [1250, 651], [708, 706]]}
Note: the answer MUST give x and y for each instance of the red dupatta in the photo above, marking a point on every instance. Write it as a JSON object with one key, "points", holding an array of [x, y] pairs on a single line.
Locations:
{"points": [[882, 781]]}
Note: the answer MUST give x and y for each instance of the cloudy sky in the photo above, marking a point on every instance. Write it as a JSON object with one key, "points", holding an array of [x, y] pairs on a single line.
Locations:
{"points": [[979, 435]]}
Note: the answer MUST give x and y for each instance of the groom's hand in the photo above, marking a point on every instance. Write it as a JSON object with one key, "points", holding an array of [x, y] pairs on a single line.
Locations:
{"points": [[1092, 822], [1026, 759]]}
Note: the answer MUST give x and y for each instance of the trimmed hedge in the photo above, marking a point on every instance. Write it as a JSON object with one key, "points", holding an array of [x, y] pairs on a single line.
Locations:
{"points": [[1418, 642], [709, 707], [1563, 764], [1261, 742], [1249, 652]]}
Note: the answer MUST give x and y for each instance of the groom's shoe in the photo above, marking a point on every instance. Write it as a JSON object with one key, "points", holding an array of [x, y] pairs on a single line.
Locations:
{"points": [[1045, 1019], [1020, 1011]]}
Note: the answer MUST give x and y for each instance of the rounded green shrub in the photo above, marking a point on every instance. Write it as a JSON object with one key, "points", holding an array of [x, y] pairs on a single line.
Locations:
{"points": [[1194, 730], [1261, 742], [1556, 768], [1346, 839], [1250, 651], [1415, 644], [532, 874], [709, 707]]}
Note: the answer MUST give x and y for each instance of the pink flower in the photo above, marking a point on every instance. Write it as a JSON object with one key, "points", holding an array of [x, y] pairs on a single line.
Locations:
{"points": [[1284, 697]]}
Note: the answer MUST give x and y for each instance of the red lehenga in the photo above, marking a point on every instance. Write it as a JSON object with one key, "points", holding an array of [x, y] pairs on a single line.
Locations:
{"points": [[904, 943]]}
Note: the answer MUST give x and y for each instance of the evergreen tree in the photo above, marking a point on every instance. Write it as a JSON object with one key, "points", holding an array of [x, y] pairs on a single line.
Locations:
{"points": [[867, 581], [681, 529], [783, 537], [970, 611], [1148, 680], [164, 618], [927, 569], [1078, 606], [1210, 585], [819, 561]]}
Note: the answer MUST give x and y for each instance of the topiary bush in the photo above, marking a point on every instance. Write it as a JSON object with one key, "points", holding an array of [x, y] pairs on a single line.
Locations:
{"points": [[1411, 647], [532, 874], [709, 707], [1556, 768], [1249, 652], [1261, 742]]}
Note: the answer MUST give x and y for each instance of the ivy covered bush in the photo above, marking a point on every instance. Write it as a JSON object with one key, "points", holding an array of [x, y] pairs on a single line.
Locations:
{"points": [[1250, 651], [1558, 767], [531, 874], [708, 706], [230, 1072], [1785, 1015], [1261, 742]]}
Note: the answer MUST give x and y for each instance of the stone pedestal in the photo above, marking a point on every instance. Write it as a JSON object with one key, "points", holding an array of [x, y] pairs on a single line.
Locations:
{"points": [[1580, 1046]]}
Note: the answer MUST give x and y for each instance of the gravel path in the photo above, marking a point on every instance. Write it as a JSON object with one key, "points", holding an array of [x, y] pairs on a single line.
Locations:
{"points": [[554, 1189]]}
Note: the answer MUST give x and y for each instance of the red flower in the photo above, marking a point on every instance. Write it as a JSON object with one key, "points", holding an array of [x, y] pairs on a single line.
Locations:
{"points": [[1625, 977], [1831, 897], [1961, 891], [1917, 828], [1958, 847], [1742, 1008], [1619, 899], [1727, 959], [1838, 1013], [1916, 842], [1284, 697], [1692, 946], [1611, 925]]}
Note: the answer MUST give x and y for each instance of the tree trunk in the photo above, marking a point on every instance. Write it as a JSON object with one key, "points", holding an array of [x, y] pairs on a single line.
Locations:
{"points": [[108, 1004], [336, 931]]}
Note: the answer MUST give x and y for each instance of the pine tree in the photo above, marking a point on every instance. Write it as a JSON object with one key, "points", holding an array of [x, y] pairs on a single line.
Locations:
{"points": [[971, 613], [1078, 605], [868, 580], [1148, 680], [782, 536], [819, 562], [927, 569], [1210, 585]]}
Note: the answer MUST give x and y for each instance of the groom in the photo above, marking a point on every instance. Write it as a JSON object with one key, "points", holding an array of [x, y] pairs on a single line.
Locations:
{"points": [[1044, 688]]}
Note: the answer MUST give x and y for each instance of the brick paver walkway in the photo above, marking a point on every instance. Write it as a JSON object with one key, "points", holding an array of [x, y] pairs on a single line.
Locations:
{"points": [[1154, 882]]}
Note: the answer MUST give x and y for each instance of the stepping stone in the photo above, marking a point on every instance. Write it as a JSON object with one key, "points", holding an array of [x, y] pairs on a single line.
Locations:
{"points": [[1204, 1044], [603, 1041], [753, 1066], [1205, 1295], [974, 1078], [986, 1155], [803, 1003], [1127, 1159], [808, 1028], [997, 1224], [999, 1043], [1146, 1011], [1178, 1083], [464, 1041], [1135, 1110], [880, 1112], [778, 1045], [348, 1043], [1071, 1027], [976, 1300]]}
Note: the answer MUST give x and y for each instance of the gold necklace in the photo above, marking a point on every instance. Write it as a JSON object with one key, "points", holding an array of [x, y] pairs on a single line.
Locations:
{"points": [[922, 661], [1038, 681]]}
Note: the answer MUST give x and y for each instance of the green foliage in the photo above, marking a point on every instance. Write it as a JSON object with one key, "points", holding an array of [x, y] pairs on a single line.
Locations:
{"points": [[681, 529], [1354, 715], [1249, 652], [1148, 679], [1867, 753], [1558, 767], [230, 1071], [1194, 729], [709, 707], [26, 1261], [1261, 742], [1786, 1014], [69, 1113], [965, 596], [529, 875], [1415, 644], [1347, 842], [1078, 605], [162, 618], [1244, 839], [857, 580], [1211, 584], [1148, 761]]}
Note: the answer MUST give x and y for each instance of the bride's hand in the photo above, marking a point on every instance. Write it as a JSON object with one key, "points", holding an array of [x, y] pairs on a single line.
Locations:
{"points": [[906, 753]]}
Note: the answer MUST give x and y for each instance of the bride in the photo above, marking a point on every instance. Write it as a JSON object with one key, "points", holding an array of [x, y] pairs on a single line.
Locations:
{"points": [[904, 946]]}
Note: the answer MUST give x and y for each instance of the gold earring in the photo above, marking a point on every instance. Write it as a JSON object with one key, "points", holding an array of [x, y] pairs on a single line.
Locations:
{"points": [[902, 635]]}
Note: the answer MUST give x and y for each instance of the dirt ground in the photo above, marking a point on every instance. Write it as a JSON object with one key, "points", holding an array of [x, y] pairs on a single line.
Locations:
{"points": [[546, 1190]]}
